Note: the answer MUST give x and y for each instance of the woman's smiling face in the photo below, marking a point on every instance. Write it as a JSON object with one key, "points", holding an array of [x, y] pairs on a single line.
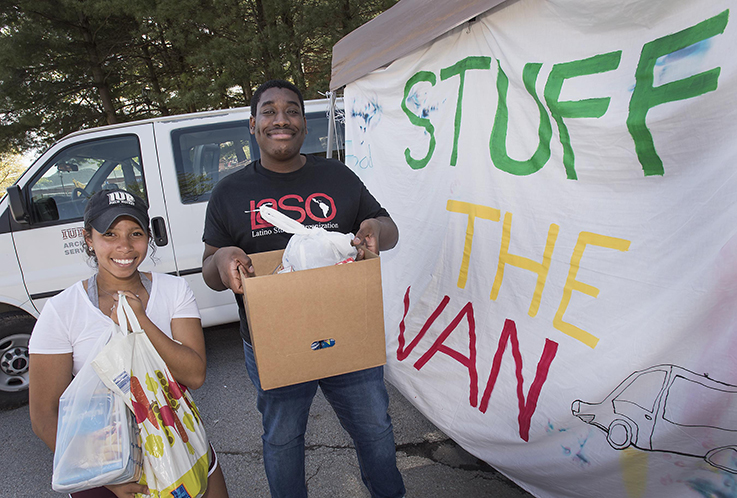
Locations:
{"points": [[121, 249]]}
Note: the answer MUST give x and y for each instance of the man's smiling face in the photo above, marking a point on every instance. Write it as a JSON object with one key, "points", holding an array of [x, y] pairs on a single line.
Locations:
{"points": [[279, 126]]}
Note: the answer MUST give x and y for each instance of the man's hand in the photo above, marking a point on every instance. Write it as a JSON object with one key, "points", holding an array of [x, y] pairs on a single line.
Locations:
{"points": [[375, 234], [220, 267], [367, 238]]}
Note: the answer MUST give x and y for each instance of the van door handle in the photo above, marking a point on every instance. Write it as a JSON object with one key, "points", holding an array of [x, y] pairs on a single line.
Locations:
{"points": [[158, 227]]}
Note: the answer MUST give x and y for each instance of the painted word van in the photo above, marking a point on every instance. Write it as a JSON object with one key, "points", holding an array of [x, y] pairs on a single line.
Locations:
{"points": [[173, 162]]}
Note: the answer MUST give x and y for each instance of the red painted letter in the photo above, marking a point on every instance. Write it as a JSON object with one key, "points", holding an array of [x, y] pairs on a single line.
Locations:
{"points": [[526, 409], [403, 353], [470, 361]]}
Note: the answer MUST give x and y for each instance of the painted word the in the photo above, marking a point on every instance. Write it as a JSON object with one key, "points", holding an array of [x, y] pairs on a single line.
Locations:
{"points": [[541, 268]]}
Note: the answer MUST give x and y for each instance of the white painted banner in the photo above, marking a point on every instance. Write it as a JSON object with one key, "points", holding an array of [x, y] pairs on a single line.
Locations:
{"points": [[563, 299]]}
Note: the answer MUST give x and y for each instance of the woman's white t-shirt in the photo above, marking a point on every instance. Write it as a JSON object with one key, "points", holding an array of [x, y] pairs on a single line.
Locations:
{"points": [[70, 323]]}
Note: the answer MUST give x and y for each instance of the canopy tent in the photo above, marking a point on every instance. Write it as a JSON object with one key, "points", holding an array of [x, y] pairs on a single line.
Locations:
{"points": [[400, 30]]}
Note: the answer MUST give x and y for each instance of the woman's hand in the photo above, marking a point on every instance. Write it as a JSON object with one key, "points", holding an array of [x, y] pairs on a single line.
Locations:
{"points": [[128, 489], [135, 303]]}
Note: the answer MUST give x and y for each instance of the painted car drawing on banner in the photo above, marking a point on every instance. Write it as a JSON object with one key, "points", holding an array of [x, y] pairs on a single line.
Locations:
{"points": [[670, 409]]}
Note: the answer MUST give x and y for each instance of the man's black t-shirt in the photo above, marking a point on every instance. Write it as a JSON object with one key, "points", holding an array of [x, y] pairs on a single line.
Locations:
{"points": [[324, 192]]}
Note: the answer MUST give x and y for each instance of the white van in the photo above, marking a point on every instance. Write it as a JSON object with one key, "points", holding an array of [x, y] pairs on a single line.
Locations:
{"points": [[173, 162]]}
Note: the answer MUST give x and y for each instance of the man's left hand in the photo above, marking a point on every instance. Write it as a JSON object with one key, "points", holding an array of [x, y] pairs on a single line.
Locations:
{"points": [[369, 232], [367, 237]]}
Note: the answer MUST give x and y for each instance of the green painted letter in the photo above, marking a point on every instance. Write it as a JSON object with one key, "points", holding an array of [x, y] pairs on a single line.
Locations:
{"points": [[588, 108], [460, 69], [645, 96], [418, 121], [498, 140]]}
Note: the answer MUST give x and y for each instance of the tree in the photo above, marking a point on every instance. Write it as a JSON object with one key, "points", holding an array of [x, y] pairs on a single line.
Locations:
{"points": [[72, 64], [11, 166], [61, 64]]}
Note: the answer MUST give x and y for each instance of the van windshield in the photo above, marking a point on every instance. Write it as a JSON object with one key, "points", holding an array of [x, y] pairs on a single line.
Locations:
{"points": [[60, 190]]}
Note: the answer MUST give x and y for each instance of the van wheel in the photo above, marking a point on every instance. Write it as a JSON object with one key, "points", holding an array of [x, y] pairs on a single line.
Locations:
{"points": [[619, 435], [15, 330]]}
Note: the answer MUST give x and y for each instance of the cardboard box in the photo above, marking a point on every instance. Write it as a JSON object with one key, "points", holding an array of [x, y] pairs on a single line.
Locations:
{"points": [[291, 313]]}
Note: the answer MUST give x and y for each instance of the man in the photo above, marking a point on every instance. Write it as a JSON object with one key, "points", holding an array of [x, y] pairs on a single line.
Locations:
{"points": [[318, 191]]}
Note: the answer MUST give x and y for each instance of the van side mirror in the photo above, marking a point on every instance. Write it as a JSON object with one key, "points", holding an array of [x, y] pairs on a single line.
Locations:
{"points": [[17, 208]]}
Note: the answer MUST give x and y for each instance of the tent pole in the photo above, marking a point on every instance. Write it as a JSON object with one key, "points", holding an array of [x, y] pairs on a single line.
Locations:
{"points": [[331, 125]]}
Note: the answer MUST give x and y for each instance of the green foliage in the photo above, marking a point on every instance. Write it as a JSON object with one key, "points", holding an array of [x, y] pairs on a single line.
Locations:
{"points": [[11, 166], [72, 64]]}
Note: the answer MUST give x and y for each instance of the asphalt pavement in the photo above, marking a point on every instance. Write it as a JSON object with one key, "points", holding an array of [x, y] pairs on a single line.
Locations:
{"points": [[432, 465]]}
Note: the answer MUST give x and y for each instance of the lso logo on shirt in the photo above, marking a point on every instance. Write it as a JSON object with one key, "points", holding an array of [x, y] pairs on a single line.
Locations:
{"points": [[317, 208]]}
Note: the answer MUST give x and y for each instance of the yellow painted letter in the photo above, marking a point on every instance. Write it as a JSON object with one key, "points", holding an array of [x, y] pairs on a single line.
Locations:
{"points": [[473, 211], [584, 239], [525, 263]]}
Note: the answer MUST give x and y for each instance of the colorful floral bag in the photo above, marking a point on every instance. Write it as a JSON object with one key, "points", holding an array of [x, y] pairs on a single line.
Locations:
{"points": [[176, 455]]}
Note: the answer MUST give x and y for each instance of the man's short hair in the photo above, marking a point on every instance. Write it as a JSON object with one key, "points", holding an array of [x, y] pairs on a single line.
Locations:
{"points": [[274, 84]]}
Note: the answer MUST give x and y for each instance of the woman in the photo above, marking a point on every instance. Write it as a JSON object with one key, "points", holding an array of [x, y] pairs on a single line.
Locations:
{"points": [[117, 238]]}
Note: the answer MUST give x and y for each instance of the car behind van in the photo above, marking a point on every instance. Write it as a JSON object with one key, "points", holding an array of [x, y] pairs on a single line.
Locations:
{"points": [[172, 162]]}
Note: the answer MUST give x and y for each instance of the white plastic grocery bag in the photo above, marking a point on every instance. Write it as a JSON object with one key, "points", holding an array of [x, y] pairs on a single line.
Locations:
{"points": [[310, 247], [176, 455], [113, 363], [97, 437]]}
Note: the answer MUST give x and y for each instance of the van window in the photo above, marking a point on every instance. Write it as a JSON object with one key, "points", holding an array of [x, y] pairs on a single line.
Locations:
{"points": [[60, 190], [316, 141], [205, 155]]}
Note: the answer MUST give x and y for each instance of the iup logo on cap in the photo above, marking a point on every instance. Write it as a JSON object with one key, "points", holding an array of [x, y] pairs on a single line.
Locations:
{"points": [[120, 197]]}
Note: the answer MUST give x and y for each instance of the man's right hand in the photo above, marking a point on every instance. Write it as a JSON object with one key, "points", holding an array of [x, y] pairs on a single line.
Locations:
{"points": [[220, 267]]}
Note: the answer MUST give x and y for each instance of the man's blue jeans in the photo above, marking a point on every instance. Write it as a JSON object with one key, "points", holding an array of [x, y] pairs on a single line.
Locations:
{"points": [[360, 401]]}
